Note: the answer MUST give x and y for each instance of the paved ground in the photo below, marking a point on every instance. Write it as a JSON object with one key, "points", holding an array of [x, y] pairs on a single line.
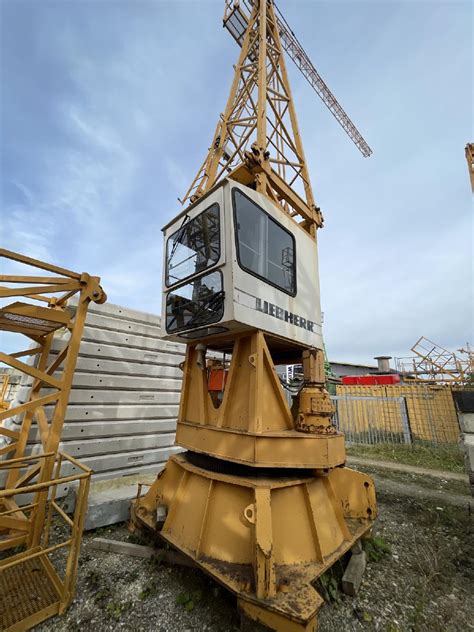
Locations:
{"points": [[423, 582]]}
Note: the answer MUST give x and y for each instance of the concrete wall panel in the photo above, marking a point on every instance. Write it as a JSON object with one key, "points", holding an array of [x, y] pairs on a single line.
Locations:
{"points": [[122, 411]]}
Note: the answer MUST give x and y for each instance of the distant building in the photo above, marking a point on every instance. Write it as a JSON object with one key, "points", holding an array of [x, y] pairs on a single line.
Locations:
{"points": [[340, 369]]}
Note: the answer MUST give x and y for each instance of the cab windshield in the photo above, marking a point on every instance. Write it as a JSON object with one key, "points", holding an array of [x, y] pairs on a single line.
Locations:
{"points": [[194, 304], [194, 247]]}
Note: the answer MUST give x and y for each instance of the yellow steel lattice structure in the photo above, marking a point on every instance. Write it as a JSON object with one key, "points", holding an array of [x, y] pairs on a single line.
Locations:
{"points": [[3, 392], [32, 587], [257, 138], [35, 307], [435, 364], [470, 162]]}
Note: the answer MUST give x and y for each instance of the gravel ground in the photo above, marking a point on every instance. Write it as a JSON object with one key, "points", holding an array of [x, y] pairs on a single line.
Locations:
{"points": [[425, 583]]}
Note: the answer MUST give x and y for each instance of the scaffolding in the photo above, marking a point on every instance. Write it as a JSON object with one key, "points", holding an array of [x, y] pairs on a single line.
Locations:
{"points": [[30, 476], [434, 364], [4, 404]]}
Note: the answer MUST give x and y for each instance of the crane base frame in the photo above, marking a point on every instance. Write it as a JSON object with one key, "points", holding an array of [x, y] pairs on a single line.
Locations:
{"points": [[265, 539], [254, 424]]}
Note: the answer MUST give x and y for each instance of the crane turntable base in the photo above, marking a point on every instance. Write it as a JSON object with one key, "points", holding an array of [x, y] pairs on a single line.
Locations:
{"points": [[267, 539]]}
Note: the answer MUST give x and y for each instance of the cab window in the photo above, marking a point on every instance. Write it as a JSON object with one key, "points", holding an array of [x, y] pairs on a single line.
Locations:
{"points": [[264, 247]]}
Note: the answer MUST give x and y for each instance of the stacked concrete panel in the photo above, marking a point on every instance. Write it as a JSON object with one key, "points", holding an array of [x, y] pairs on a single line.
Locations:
{"points": [[466, 421], [123, 407]]}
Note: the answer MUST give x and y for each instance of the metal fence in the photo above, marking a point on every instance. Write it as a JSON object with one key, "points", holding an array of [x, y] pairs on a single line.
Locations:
{"points": [[407, 414], [372, 419]]}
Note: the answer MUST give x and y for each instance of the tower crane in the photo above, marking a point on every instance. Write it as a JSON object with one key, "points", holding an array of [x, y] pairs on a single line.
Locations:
{"points": [[260, 110], [261, 499]]}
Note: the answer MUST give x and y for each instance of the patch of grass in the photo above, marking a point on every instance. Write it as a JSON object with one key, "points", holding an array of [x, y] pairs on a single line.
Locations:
{"points": [[149, 589], [376, 548], [446, 458], [101, 596], [189, 600], [116, 608], [420, 480], [93, 579], [430, 564]]}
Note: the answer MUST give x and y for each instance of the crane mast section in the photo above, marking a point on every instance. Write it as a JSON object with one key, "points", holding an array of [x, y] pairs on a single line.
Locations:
{"points": [[257, 140]]}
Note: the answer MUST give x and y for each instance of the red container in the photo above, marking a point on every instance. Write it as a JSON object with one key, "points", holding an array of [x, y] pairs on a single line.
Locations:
{"points": [[371, 380], [217, 379]]}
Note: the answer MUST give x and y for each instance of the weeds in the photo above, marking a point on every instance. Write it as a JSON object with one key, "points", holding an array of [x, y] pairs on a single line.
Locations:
{"points": [[101, 596], [115, 608], [189, 600], [149, 589], [376, 549], [93, 579], [330, 587], [329, 583]]}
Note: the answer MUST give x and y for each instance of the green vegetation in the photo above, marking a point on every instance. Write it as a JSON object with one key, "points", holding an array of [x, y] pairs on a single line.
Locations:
{"points": [[376, 549], [150, 588], [329, 587], [447, 458], [329, 583], [425, 481], [189, 600], [116, 608]]}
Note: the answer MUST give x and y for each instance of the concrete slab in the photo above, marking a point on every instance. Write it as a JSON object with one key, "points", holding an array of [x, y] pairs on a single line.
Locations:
{"points": [[469, 449], [352, 578], [109, 500], [466, 421], [106, 507], [172, 557]]}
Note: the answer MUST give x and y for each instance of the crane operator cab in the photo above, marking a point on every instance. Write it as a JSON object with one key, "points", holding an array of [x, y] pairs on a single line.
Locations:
{"points": [[235, 262]]}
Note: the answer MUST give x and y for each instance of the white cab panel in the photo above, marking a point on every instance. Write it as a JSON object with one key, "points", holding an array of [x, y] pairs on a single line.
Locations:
{"points": [[234, 261]]}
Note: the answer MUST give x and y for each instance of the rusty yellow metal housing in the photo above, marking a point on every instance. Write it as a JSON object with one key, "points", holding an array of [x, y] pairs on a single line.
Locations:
{"points": [[253, 425], [266, 539], [262, 507]]}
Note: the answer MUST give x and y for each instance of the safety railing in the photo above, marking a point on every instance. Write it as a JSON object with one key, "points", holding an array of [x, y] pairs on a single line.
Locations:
{"points": [[39, 581]]}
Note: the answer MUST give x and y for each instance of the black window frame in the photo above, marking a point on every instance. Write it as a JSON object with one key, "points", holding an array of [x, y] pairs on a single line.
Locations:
{"points": [[203, 332], [237, 248], [215, 263], [200, 325]]}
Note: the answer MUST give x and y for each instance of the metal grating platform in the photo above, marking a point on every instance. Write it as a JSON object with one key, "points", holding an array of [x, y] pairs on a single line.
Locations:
{"points": [[25, 590], [40, 320]]}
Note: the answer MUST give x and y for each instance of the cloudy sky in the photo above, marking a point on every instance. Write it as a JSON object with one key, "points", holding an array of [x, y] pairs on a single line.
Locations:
{"points": [[108, 107]]}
